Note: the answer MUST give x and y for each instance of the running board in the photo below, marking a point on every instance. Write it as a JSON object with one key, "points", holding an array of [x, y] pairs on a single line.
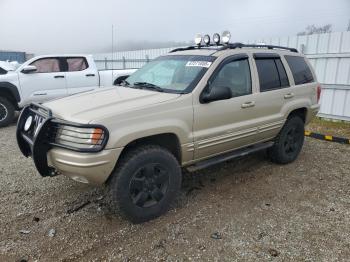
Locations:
{"points": [[228, 156]]}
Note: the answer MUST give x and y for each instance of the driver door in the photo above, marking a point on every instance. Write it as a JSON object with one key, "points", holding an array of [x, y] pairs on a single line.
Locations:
{"points": [[224, 125], [47, 83]]}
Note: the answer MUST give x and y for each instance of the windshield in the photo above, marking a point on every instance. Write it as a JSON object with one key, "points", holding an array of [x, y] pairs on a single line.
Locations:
{"points": [[175, 74]]}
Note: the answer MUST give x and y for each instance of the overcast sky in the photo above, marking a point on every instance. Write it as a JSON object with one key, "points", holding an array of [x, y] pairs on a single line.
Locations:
{"points": [[56, 26]]}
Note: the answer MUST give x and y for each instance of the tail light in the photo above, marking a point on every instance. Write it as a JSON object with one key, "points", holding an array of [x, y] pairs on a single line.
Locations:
{"points": [[318, 93]]}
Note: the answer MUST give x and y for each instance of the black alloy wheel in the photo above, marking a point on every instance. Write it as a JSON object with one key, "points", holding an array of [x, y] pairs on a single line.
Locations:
{"points": [[149, 185]]}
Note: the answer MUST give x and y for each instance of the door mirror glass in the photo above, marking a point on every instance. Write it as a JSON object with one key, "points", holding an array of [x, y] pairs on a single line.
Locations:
{"points": [[29, 69], [215, 94]]}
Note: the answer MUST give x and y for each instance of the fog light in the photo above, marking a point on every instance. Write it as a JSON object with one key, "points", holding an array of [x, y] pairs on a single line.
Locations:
{"points": [[28, 123], [80, 179]]}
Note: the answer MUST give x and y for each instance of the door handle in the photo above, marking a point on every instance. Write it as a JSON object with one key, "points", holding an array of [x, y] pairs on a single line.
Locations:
{"points": [[287, 96], [90, 75], [58, 76], [248, 104]]}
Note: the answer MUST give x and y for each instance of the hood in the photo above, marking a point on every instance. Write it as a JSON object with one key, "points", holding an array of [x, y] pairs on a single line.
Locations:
{"points": [[104, 102], [7, 66]]}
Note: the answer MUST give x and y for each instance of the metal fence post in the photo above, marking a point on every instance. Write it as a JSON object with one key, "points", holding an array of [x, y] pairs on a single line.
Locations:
{"points": [[106, 67], [124, 62]]}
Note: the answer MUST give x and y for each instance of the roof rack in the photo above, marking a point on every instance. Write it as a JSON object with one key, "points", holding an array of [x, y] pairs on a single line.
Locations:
{"points": [[233, 46]]}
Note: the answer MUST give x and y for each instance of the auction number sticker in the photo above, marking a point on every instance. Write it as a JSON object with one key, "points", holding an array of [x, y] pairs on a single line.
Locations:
{"points": [[199, 63]]}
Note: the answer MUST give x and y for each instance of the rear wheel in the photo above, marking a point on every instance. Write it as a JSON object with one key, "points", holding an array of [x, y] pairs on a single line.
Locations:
{"points": [[289, 142], [7, 112], [145, 183]]}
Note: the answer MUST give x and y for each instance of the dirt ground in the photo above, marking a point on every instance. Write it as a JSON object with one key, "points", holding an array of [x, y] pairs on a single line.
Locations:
{"points": [[247, 209]]}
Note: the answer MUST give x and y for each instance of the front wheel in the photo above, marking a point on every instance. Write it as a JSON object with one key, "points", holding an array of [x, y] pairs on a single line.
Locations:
{"points": [[7, 112], [289, 141], [145, 183]]}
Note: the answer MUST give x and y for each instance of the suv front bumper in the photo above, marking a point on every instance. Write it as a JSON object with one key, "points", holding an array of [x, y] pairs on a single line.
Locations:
{"points": [[92, 168], [35, 140]]}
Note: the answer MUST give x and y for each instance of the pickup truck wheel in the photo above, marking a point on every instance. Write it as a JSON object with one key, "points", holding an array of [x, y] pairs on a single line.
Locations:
{"points": [[7, 112], [289, 142], [145, 183]]}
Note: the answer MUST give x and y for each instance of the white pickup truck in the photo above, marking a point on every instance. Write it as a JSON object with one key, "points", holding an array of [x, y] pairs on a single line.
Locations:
{"points": [[48, 77]]}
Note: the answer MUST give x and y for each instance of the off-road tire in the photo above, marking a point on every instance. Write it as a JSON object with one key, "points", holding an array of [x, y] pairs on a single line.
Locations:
{"points": [[288, 143], [7, 112], [134, 167]]}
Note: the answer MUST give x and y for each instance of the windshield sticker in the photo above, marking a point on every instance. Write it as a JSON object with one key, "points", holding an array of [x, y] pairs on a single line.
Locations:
{"points": [[199, 63]]}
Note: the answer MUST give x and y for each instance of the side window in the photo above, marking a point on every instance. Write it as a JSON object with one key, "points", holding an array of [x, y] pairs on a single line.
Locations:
{"points": [[76, 64], [236, 76], [272, 74], [282, 73], [300, 70], [47, 65], [3, 71]]}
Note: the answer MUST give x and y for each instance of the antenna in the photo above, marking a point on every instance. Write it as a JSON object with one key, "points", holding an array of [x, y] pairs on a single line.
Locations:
{"points": [[112, 54]]}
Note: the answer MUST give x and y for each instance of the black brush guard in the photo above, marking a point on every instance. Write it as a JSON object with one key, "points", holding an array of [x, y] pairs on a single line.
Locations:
{"points": [[35, 141], [40, 137]]}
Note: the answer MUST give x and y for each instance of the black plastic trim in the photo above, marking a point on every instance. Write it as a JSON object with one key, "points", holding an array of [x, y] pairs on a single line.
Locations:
{"points": [[266, 55], [12, 89], [228, 156]]}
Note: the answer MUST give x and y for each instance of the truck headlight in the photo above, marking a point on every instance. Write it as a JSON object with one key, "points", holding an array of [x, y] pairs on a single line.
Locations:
{"points": [[82, 138]]}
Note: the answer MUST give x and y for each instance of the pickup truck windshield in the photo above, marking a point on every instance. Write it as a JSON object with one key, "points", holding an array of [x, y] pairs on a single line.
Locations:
{"points": [[173, 73]]}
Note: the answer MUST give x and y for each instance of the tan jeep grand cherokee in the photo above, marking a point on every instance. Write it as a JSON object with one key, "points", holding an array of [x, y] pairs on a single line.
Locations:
{"points": [[191, 108]]}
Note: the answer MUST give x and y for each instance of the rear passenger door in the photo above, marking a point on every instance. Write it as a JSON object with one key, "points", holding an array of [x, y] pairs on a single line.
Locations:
{"points": [[305, 85], [80, 76], [274, 88]]}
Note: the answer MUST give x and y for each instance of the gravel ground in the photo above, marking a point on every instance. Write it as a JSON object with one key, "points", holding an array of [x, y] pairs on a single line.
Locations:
{"points": [[246, 209]]}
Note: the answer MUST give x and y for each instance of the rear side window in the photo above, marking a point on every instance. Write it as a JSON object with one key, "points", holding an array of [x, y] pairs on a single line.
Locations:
{"points": [[300, 70], [76, 64], [272, 74]]}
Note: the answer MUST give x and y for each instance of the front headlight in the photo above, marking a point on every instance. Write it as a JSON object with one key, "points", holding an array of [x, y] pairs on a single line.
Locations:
{"points": [[82, 138]]}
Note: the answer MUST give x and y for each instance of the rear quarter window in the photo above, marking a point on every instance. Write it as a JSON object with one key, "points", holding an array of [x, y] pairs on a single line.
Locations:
{"points": [[300, 70]]}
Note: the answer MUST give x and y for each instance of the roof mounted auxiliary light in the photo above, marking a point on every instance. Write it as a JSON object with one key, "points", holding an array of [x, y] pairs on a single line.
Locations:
{"points": [[222, 42], [226, 36], [198, 39], [216, 38], [206, 39]]}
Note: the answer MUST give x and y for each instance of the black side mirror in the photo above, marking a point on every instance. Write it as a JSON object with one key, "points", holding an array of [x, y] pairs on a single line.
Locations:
{"points": [[120, 80], [216, 94]]}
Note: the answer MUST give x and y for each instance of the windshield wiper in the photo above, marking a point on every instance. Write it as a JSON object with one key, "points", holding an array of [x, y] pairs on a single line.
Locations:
{"points": [[147, 85]]}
